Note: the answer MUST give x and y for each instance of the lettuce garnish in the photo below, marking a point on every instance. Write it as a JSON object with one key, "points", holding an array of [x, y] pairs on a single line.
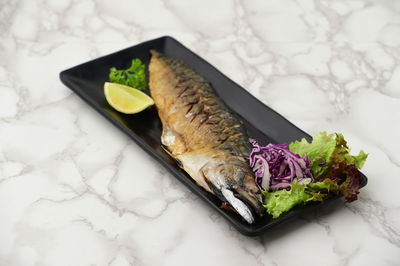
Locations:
{"points": [[334, 170]]}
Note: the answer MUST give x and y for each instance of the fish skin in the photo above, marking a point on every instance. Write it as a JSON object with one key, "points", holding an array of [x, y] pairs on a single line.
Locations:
{"points": [[202, 134]]}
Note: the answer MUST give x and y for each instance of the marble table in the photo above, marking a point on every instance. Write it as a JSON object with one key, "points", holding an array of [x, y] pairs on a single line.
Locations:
{"points": [[74, 190]]}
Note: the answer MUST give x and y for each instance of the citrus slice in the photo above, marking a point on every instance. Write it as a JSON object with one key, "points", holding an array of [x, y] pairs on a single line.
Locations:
{"points": [[125, 99]]}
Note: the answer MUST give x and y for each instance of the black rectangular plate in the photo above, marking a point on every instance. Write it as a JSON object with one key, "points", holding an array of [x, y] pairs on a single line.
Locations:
{"points": [[262, 123]]}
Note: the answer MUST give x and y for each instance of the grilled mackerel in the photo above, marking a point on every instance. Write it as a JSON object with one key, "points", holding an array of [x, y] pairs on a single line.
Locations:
{"points": [[200, 132]]}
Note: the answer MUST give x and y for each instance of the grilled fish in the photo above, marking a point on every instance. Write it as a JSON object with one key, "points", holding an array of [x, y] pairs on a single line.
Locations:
{"points": [[201, 133]]}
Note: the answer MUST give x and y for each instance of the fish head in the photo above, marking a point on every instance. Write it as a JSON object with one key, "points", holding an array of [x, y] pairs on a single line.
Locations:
{"points": [[232, 181]]}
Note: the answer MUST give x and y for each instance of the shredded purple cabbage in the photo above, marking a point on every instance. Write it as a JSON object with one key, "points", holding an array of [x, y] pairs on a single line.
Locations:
{"points": [[275, 166]]}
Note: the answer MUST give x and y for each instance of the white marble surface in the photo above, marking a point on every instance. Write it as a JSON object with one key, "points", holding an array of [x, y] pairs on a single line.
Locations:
{"points": [[74, 190]]}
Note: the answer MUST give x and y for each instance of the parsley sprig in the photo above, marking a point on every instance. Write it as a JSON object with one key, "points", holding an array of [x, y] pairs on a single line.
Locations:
{"points": [[133, 76]]}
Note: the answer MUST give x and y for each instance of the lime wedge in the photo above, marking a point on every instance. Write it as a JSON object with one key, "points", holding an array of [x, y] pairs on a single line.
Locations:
{"points": [[125, 99]]}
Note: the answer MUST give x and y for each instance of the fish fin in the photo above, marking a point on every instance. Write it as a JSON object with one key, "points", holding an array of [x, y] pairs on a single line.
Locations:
{"points": [[154, 52], [192, 163], [173, 141]]}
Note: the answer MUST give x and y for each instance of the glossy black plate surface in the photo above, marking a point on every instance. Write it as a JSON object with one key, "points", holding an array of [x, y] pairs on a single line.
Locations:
{"points": [[262, 123]]}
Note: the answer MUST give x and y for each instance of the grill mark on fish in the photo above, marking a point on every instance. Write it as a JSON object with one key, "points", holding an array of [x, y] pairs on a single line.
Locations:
{"points": [[192, 101], [188, 93], [211, 143], [185, 88], [193, 117], [190, 108], [205, 119], [198, 107]]}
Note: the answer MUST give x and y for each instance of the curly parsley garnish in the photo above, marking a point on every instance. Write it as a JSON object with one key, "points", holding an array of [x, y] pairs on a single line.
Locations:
{"points": [[134, 76]]}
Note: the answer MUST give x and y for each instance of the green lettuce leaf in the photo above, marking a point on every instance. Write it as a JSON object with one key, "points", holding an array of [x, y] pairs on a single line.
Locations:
{"points": [[281, 201], [278, 202], [324, 150], [319, 152], [331, 159]]}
